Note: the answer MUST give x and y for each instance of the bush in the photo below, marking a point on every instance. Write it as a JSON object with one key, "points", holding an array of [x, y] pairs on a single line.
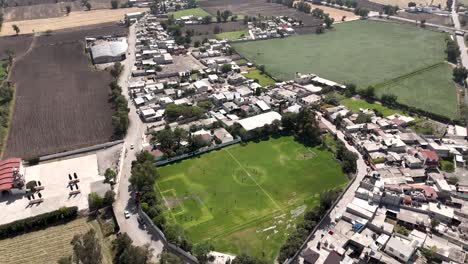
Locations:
{"points": [[95, 201], [62, 215]]}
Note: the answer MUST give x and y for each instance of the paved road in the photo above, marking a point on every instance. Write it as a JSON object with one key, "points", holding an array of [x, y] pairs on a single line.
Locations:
{"points": [[340, 208], [460, 42], [134, 136]]}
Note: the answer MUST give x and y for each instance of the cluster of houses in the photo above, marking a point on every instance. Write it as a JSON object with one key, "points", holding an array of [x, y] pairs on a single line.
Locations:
{"points": [[277, 27], [406, 204]]}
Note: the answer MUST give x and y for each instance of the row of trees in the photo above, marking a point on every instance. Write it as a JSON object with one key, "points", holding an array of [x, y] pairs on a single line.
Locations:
{"points": [[120, 119], [97, 202], [143, 177], [311, 218], [6, 97], [453, 52], [222, 16]]}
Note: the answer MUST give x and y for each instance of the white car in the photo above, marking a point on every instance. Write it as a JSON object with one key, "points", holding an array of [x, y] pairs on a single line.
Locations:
{"points": [[126, 214], [131, 146]]}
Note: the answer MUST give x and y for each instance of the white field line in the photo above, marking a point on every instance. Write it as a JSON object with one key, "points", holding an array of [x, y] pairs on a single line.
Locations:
{"points": [[250, 176]]}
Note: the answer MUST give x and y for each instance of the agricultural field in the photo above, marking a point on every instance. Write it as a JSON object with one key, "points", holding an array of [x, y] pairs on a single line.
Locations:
{"points": [[75, 19], [260, 7], [232, 35], [35, 9], [50, 244], [189, 12], [236, 196], [262, 78], [347, 54], [433, 84], [16, 44], [61, 101]]}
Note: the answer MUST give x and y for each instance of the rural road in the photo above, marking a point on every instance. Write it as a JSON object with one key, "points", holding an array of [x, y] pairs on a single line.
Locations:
{"points": [[460, 42], [347, 198], [135, 133]]}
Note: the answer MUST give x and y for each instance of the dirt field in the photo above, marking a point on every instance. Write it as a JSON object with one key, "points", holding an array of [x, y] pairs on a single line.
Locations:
{"points": [[75, 19], [16, 44], [430, 18], [206, 31], [48, 10], [373, 6], [50, 244], [336, 13], [256, 7], [61, 102]]}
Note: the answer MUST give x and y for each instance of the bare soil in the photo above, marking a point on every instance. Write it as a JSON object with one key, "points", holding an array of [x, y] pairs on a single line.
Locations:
{"points": [[372, 6], [336, 13], [62, 102], [75, 19], [430, 18], [17, 44], [259, 7]]}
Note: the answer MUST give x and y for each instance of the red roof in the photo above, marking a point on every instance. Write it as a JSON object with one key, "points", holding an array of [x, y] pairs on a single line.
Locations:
{"points": [[429, 154], [6, 172]]}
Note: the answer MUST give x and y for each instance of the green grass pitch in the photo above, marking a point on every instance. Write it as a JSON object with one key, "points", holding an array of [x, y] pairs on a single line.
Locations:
{"points": [[189, 12], [234, 196], [367, 53]]}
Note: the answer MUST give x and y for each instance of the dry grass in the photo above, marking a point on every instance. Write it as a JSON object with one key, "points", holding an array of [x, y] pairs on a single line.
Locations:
{"points": [[48, 245], [335, 13], [75, 19]]}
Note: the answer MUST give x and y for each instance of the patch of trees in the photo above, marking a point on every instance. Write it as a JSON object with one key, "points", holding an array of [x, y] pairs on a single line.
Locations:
{"points": [[62, 215], [170, 141], [303, 7], [114, 4], [350, 3], [452, 51], [120, 119], [86, 248], [126, 253], [303, 125], [96, 202], [311, 218], [1, 19], [460, 74], [174, 112], [222, 16], [389, 100], [169, 258], [390, 10], [201, 250], [346, 157], [362, 12], [6, 97], [143, 177], [246, 259]]}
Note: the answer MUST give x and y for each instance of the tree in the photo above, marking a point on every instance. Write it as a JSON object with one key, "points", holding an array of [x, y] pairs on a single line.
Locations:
{"points": [[453, 180], [65, 260], [348, 158], [246, 259], [368, 93], [206, 20], [144, 172], [126, 253], [423, 22], [225, 15], [16, 29], [114, 4], [328, 21], [453, 52], [389, 99], [411, 4], [86, 248], [350, 90], [88, 6], [116, 70], [109, 198], [218, 16], [429, 253], [460, 74], [68, 10], [227, 67], [434, 223], [201, 251], [363, 118], [109, 175], [261, 68], [95, 201], [169, 258]]}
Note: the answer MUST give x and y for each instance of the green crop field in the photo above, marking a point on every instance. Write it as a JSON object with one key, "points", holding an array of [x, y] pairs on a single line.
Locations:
{"points": [[247, 198], [189, 12], [262, 78], [400, 59], [232, 35]]}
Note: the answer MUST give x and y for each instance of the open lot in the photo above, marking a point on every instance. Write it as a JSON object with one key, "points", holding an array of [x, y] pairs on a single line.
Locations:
{"points": [[256, 7], [61, 101], [348, 54], [430, 18], [232, 35], [50, 244], [41, 9], [54, 177], [75, 19], [335, 13], [235, 195], [262, 78], [207, 30]]}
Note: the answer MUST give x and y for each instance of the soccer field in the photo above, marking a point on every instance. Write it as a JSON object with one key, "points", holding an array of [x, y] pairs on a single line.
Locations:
{"points": [[246, 198], [367, 53]]}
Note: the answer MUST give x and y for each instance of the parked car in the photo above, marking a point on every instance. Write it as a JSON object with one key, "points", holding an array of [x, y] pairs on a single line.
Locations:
{"points": [[126, 214]]}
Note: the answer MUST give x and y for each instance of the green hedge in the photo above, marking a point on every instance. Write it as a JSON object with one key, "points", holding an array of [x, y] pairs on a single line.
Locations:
{"points": [[61, 215]]}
